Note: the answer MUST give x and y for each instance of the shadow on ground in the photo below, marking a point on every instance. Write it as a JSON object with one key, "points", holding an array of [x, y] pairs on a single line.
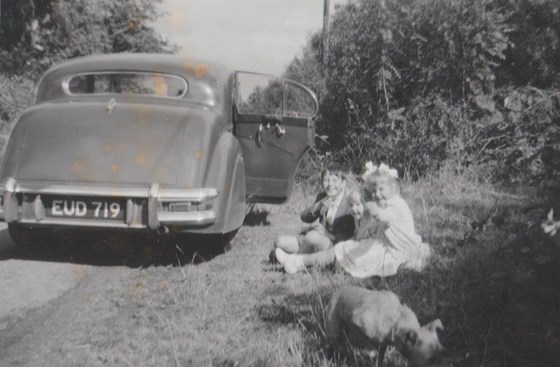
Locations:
{"points": [[257, 217], [114, 249]]}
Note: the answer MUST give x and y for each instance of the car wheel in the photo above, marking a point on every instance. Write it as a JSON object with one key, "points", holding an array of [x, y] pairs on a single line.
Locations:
{"points": [[224, 240], [249, 208], [28, 236], [219, 241]]}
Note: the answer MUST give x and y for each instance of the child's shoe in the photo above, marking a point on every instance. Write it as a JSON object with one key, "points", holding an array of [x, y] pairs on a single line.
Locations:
{"points": [[281, 255], [293, 264]]}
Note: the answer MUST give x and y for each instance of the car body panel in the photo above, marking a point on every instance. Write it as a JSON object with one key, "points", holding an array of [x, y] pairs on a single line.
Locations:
{"points": [[134, 144], [271, 181]]}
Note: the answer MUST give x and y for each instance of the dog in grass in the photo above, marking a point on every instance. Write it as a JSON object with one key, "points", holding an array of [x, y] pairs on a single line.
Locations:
{"points": [[378, 319]]}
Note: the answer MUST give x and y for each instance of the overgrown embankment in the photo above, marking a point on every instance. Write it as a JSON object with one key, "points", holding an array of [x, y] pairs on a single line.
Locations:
{"points": [[424, 84]]}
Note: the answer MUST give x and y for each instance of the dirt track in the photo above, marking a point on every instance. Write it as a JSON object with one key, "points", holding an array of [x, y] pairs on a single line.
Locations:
{"points": [[52, 297], [26, 284], [41, 293]]}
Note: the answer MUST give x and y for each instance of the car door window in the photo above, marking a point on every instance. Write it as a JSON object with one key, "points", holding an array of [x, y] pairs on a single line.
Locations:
{"points": [[259, 94], [298, 101]]}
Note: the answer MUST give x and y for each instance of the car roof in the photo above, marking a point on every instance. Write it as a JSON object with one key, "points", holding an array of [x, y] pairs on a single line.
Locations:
{"points": [[161, 63], [201, 76]]}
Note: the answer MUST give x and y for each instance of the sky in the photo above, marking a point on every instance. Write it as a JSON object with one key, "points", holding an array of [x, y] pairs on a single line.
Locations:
{"points": [[251, 35]]}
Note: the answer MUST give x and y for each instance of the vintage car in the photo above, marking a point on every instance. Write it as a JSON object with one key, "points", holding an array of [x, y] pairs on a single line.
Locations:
{"points": [[152, 142]]}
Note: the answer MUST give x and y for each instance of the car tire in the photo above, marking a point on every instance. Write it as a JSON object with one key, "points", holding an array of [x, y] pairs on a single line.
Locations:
{"points": [[249, 208], [27, 236], [224, 240], [220, 242]]}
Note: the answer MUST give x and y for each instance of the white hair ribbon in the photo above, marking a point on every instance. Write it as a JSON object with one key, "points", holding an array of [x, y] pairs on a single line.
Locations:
{"points": [[370, 168], [383, 169]]}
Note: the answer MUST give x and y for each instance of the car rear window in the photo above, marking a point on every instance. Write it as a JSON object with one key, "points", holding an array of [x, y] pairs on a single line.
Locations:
{"points": [[152, 84]]}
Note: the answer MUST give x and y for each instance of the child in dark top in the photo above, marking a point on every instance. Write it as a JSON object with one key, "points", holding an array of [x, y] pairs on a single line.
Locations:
{"points": [[329, 216], [365, 227]]}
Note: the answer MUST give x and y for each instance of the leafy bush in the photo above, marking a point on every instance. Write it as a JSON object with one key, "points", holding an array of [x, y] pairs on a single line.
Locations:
{"points": [[421, 85], [16, 94], [522, 142], [44, 32]]}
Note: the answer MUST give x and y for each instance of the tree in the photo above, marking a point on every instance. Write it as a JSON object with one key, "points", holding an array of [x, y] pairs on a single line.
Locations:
{"points": [[38, 33]]}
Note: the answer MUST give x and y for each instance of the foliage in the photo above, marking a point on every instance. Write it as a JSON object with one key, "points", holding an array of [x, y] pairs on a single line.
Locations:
{"points": [[16, 93], [42, 32], [524, 137], [423, 84], [307, 69], [536, 37]]}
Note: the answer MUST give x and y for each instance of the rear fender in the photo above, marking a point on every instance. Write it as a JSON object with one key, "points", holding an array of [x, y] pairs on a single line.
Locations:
{"points": [[236, 207], [226, 172]]}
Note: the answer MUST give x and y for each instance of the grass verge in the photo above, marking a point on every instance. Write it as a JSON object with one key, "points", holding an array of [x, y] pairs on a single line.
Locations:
{"points": [[493, 280]]}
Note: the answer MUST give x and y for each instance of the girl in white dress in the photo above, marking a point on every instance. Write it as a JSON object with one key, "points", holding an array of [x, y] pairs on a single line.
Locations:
{"points": [[392, 243]]}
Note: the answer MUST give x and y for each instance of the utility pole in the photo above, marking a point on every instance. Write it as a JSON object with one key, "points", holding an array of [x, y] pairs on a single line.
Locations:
{"points": [[325, 38]]}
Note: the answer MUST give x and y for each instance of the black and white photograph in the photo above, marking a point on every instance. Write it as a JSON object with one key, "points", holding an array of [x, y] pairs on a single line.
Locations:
{"points": [[280, 183]]}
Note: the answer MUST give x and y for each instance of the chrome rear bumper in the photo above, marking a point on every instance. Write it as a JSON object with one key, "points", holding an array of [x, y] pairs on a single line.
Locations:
{"points": [[146, 207]]}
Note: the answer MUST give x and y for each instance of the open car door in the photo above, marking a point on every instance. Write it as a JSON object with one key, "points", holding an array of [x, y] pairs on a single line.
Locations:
{"points": [[274, 124]]}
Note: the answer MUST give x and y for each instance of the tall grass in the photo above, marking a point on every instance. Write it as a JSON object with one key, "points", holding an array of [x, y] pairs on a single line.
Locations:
{"points": [[493, 278]]}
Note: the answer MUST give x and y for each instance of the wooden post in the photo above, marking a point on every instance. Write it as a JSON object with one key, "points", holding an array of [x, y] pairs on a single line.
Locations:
{"points": [[325, 38]]}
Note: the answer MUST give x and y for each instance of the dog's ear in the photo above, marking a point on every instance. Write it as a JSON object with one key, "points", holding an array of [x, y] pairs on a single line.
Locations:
{"points": [[434, 325], [409, 338]]}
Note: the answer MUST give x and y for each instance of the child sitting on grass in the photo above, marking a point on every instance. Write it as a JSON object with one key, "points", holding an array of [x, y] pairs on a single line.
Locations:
{"points": [[329, 217], [393, 243]]}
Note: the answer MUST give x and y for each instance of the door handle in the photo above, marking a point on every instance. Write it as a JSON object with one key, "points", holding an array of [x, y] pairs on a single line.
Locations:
{"points": [[258, 136]]}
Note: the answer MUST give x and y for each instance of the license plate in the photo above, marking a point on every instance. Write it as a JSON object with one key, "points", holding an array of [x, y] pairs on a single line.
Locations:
{"points": [[89, 208]]}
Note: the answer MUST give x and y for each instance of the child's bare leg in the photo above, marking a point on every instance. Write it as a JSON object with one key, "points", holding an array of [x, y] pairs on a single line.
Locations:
{"points": [[319, 259], [288, 244], [315, 241], [297, 262]]}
